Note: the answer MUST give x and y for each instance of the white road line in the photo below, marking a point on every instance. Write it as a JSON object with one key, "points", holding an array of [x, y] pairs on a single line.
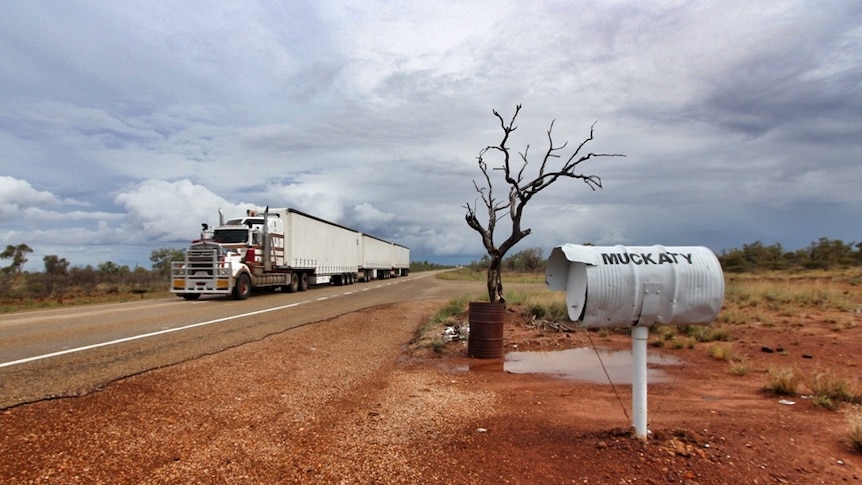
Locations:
{"points": [[145, 335]]}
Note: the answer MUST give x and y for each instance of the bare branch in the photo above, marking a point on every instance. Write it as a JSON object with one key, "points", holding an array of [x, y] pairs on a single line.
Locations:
{"points": [[521, 192]]}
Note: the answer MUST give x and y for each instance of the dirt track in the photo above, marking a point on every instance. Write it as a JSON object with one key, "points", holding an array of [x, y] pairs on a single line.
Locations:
{"points": [[319, 405]]}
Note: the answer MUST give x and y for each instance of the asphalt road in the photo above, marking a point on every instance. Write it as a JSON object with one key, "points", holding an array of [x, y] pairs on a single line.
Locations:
{"points": [[72, 351]]}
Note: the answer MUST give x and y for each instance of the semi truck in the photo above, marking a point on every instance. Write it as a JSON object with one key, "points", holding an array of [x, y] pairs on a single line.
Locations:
{"points": [[282, 249]]}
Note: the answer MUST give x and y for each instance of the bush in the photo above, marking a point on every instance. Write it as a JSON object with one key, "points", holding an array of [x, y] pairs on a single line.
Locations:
{"points": [[782, 382], [830, 390], [855, 433], [722, 352]]}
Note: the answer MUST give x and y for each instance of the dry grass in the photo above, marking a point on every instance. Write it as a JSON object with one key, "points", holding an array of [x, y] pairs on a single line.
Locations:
{"points": [[855, 432], [782, 381], [830, 389], [784, 294]]}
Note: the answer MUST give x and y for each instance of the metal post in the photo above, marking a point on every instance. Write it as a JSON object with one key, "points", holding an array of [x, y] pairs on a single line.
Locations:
{"points": [[639, 380]]}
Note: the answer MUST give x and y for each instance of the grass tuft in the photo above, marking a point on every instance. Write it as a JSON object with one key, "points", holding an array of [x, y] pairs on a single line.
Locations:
{"points": [[855, 433], [722, 352], [830, 390], [782, 381]]}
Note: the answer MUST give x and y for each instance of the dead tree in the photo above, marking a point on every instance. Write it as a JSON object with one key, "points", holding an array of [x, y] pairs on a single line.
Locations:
{"points": [[520, 191]]}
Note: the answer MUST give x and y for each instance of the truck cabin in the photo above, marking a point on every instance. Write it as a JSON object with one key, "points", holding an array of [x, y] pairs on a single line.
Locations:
{"points": [[247, 230]]}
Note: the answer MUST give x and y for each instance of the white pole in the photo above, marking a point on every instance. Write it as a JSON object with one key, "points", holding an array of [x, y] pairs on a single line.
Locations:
{"points": [[639, 380]]}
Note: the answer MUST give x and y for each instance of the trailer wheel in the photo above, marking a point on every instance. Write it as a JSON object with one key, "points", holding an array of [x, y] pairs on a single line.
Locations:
{"points": [[303, 282], [294, 283], [243, 287], [191, 296]]}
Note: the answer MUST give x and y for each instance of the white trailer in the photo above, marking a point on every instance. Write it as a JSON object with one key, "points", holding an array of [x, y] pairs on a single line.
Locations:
{"points": [[400, 260], [375, 258], [320, 250]]}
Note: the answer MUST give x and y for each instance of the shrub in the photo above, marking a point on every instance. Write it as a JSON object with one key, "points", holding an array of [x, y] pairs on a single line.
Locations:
{"points": [[438, 345], [830, 390], [445, 314], [721, 352], [782, 382], [855, 433], [739, 367]]}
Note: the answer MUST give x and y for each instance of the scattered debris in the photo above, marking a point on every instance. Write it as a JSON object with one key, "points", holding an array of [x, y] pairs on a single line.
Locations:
{"points": [[454, 333], [548, 325], [786, 402]]}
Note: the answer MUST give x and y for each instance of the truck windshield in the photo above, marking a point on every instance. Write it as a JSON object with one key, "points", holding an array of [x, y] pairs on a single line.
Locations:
{"points": [[231, 236]]}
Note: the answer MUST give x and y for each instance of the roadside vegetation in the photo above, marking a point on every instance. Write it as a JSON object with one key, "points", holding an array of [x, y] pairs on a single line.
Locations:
{"points": [[765, 287]]}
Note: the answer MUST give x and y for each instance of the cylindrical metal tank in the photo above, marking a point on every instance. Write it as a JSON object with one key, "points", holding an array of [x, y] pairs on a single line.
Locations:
{"points": [[624, 286]]}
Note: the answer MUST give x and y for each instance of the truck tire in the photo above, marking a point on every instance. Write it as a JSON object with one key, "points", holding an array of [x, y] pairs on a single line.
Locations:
{"points": [[243, 287], [303, 282], [294, 283], [191, 296]]}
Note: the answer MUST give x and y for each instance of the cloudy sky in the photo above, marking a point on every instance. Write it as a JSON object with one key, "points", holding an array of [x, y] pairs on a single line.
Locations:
{"points": [[124, 125]]}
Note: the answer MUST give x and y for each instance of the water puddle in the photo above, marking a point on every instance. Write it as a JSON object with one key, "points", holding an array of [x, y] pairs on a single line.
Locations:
{"points": [[585, 364]]}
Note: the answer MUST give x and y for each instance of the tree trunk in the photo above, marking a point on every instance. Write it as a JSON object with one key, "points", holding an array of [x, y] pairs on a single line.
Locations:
{"points": [[495, 281]]}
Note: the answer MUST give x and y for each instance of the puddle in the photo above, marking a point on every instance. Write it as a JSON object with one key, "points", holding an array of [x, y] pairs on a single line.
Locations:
{"points": [[584, 365]]}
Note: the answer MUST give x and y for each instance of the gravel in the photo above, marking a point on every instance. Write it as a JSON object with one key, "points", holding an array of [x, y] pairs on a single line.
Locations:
{"points": [[328, 402]]}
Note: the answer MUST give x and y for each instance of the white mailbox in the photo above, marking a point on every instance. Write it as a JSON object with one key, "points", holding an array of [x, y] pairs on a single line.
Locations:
{"points": [[626, 286]]}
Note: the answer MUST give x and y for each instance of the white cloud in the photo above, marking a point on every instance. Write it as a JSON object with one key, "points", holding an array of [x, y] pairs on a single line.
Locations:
{"points": [[15, 194], [132, 125], [158, 210]]}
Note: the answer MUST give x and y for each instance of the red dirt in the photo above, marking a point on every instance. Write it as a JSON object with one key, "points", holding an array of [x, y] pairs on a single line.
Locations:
{"points": [[706, 425], [316, 406]]}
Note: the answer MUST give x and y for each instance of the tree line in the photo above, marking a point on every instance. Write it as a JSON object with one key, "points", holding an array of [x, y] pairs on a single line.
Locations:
{"points": [[823, 254], [60, 278]]}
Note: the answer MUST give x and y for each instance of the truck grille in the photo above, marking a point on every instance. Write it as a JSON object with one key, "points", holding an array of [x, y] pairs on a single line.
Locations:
{"points": [[201, 272]]}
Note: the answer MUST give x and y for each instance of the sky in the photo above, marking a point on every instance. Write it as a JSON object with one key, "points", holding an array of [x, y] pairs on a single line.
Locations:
{"points": [[125, 125]]}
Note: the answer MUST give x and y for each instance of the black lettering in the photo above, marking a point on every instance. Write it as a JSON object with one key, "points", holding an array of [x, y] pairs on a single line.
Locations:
{"points": [[636, 258]]}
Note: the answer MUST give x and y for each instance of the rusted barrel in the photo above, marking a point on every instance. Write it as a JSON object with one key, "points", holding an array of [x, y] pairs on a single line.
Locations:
{"points": [[486, 330]]}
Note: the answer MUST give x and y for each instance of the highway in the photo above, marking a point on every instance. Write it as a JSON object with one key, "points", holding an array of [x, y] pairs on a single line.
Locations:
{"points": [[72, 351]]}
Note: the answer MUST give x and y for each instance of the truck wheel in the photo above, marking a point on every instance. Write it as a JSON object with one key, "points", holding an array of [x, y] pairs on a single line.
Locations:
{"points": [[243, 287], [303, 282], [191, 296], [294, 283]]}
